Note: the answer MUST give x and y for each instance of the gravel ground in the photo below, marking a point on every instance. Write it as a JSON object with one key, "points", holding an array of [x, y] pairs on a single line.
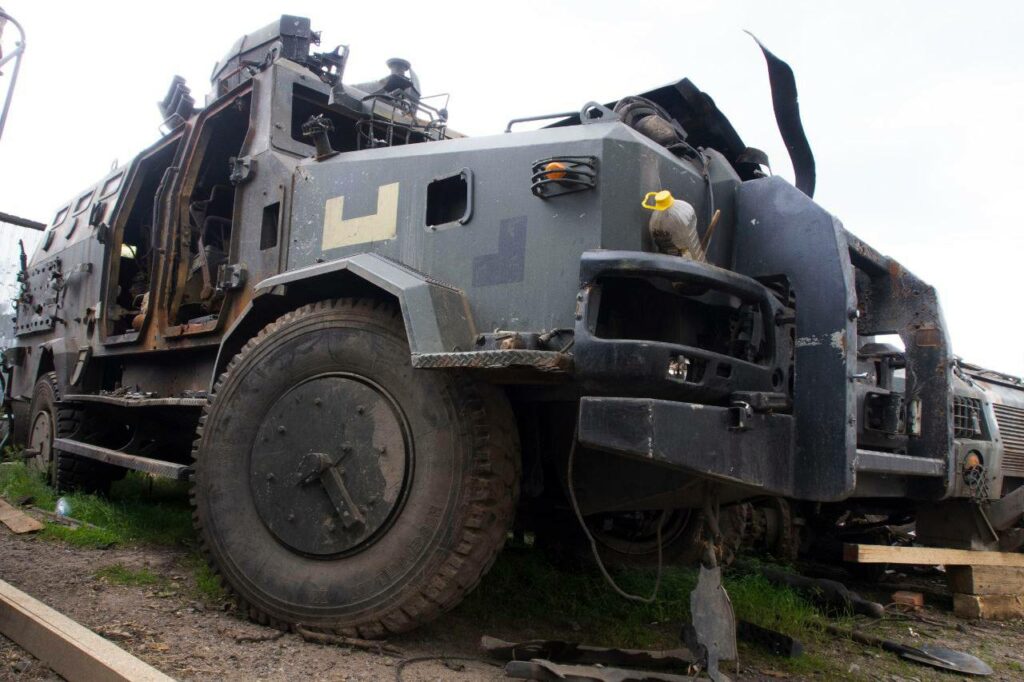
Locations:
{"points": [[170, 627]]}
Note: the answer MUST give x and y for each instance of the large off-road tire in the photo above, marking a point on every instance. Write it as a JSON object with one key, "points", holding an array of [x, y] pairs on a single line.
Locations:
{"points": [[49, 418], [319, 421], [44, 425]]}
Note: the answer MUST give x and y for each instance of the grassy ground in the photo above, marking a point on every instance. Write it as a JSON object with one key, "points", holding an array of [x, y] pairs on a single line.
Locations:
{"points": [[527, 595], [524, 595], [139, 510]]}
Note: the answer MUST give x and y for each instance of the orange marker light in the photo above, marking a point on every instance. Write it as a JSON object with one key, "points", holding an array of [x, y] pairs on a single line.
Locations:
{"points": [[555, 170]]}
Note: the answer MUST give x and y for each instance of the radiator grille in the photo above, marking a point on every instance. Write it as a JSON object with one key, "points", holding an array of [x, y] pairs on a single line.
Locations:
{"points": [[966, 417], [1011, 429]]}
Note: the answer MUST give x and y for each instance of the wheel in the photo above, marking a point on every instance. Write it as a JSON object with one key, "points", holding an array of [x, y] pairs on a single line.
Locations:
{"points": [[50, 419], [338, 488], [42, 427]]}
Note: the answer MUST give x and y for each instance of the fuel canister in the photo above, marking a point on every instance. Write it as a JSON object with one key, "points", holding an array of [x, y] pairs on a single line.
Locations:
{"points": [[673, 225]]}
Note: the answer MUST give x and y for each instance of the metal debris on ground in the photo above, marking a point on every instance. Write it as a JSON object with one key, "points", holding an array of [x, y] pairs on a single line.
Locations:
{"points": [[712, 634], [572, 652], [826, 592], [776, 642]]}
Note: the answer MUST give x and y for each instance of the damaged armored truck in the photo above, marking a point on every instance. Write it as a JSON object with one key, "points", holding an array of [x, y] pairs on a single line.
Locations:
{"points": [[376, 347]]}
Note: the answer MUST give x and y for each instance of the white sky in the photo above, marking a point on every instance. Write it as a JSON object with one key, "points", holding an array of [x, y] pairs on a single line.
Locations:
{"points": [[913, 109]]}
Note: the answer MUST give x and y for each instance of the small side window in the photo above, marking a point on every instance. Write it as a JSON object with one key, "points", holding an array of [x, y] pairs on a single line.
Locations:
{"points": [[71, 228], [268, 231], [111, 185], [82, 203], [48, 237], [450, 199], [60, 216]]}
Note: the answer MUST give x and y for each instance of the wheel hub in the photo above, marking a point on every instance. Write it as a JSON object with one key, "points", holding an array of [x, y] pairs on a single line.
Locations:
{"points": [[40, 442], [330, 464]]}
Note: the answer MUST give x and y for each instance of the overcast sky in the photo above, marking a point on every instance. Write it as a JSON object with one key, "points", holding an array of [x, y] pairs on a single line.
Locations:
{"points": [[914, 109]]}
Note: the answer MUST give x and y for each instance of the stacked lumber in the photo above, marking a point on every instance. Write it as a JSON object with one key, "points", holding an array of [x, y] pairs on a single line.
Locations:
{"points": [[987, 592], [986, 585]]}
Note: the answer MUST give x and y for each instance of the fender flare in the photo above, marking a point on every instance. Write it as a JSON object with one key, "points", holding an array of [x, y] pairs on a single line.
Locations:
{"points": [[436, 315], [55, 355]]}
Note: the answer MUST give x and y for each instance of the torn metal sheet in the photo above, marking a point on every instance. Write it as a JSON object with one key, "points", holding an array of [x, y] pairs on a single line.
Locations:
{"points": [[572, 652]]}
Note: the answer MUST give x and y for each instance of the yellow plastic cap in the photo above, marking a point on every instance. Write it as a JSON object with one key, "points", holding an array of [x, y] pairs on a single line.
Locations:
{"points": [[662, 200]]}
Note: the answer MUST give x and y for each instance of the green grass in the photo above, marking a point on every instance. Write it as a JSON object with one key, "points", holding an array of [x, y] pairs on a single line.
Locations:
{"points": [[140, 509], [118, 574], [526, 594], [208, 585]]}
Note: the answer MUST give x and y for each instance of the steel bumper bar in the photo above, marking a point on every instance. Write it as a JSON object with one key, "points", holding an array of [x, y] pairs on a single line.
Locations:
{"points": [[754, 451]]}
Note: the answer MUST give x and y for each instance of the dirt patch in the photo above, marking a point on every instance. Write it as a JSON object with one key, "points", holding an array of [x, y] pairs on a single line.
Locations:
{"points": [[170, 627], [162, 618]]}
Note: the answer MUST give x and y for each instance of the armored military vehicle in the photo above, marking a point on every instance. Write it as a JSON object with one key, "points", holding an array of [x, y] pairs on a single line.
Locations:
{"points": [[376, 346]]}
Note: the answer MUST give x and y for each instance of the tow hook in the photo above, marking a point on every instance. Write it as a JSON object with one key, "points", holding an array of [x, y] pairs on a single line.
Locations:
{"points": [[740, 414]]}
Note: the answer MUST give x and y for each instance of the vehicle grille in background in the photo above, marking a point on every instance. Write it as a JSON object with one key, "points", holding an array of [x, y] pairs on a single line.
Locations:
{"points": [[966, 417], [1011, 430]]}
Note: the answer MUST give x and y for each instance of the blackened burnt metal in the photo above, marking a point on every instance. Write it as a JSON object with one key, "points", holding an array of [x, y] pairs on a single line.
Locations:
{"points": [[787, 117]]}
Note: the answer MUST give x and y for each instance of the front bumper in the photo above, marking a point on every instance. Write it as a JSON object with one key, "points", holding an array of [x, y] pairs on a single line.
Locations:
{"points": [[752, 451], [625, 366]]}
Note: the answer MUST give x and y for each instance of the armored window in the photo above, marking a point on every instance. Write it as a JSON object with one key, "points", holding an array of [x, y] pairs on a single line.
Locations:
{"points": [[61, 215], [450, 199], [83, 202], [268, 231], [111, 185]]}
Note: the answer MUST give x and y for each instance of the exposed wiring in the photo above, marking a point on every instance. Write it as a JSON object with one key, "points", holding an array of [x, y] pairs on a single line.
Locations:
{"points": [[593, 543]]}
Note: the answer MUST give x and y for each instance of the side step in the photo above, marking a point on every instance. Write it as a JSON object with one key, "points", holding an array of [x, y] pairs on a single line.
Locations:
{"points": [[158, 467]]}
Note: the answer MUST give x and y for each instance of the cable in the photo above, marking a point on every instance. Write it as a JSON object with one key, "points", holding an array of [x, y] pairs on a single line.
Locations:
{"points": [[593, 543]]}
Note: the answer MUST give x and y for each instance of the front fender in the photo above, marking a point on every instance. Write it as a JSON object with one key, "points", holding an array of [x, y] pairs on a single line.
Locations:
{"points": [[436, 315]]}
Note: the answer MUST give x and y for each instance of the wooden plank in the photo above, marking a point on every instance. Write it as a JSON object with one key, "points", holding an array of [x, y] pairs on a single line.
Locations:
{"points": [[71, 650], [928, 556], [986, 579], [989, 606], [17, 520]]}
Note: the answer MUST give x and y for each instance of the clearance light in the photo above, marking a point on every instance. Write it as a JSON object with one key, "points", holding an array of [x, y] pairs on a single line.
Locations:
{"points": [[554, 170]]}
